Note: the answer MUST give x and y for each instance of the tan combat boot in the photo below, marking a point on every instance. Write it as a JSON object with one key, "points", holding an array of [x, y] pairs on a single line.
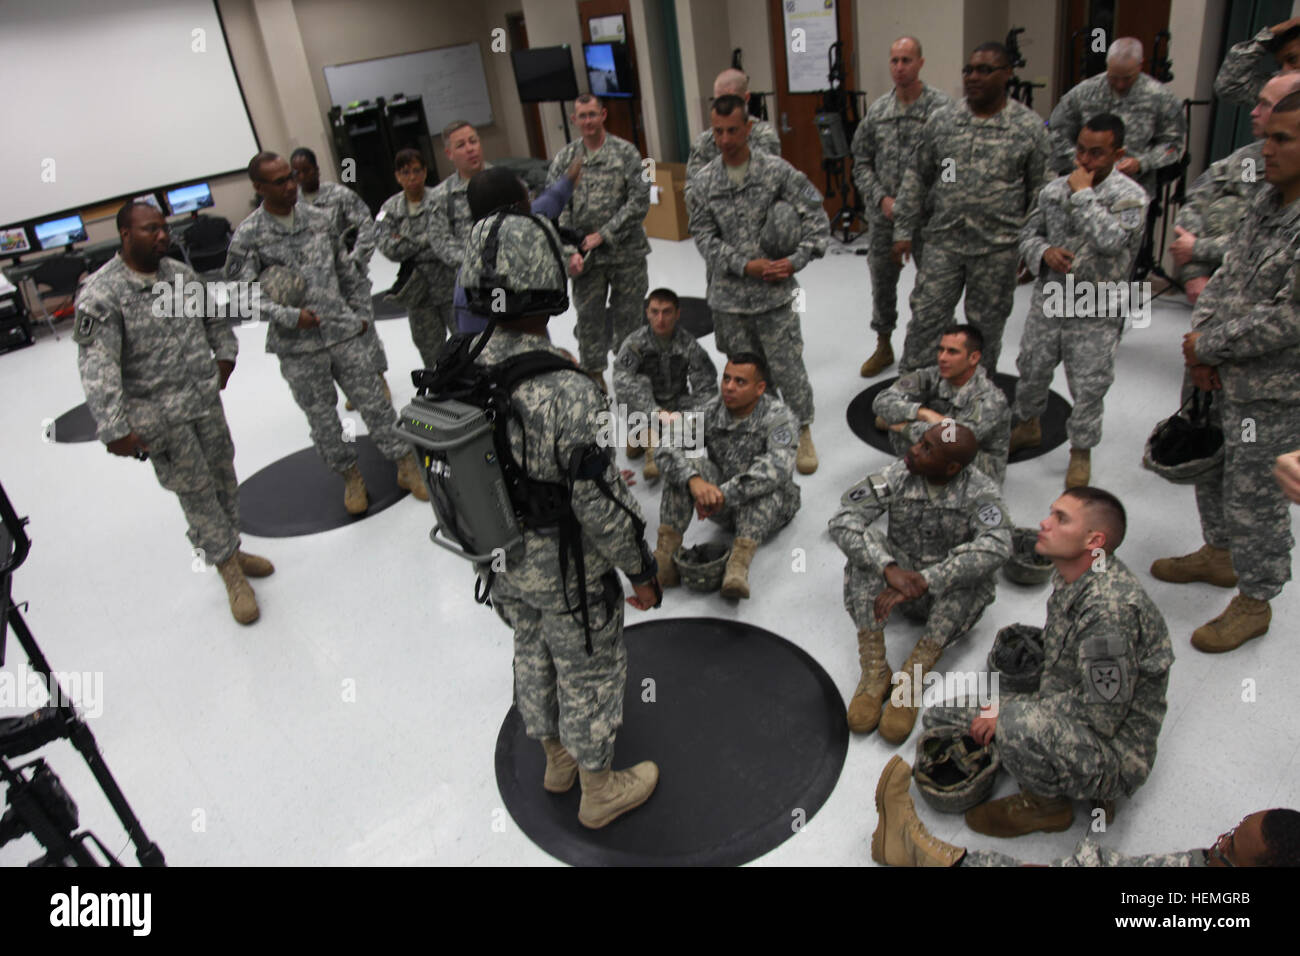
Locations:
{"points": [[806, 457], [669, 541], [254, 566], [243, 603], [1208, 564], [900, 838], [354, 492], [864, 708], [409, 477], [1021, 813], [1080, 470], [634, 448], [561, 767], [897, 723], [880, 359], [1245, 617], [735, 583], [608, 794], [1028, 434], [651, 469]]}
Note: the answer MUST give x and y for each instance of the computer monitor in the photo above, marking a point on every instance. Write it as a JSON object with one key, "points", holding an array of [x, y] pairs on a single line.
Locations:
{"points": [[609, 71], [55, 233], [189, 198], [545, 74], [14, 241]]}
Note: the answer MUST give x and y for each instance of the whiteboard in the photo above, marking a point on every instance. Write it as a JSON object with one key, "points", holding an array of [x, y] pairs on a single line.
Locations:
{"points": [[449, 80]]}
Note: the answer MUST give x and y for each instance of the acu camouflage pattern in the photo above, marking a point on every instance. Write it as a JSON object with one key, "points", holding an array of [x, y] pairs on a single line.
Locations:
{"points": [[762, 138], [883, 146], [1217, 204], [1247, 67], [1154, 125], [750, 459], [1089, 732], [1091, 853], [428, 292], [158, 376], [675, 376], [449, 224], [1103, 227], [955, 535], [526, 260], [979, 405]]}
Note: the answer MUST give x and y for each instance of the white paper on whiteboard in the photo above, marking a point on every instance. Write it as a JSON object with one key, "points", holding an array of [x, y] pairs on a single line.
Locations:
{"points": [[806, 61]]}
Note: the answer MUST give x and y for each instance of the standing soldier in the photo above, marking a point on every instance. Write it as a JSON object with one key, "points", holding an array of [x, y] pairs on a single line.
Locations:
{"points": [[752, 290], [153, 388], [1245, 347], [1249, 64], [319, 343], [981, 162], [450, 220], [609, 205], [883, 146], [763, 137]]}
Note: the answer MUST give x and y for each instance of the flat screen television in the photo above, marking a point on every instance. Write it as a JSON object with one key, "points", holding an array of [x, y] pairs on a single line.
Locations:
{"points": [[545, 74], [56, 233], [609, 70], [189, 198], [14, 241]]}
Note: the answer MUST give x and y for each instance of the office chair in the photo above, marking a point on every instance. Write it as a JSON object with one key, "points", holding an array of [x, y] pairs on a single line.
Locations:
{"points": [[205, 243], [61, 274]]}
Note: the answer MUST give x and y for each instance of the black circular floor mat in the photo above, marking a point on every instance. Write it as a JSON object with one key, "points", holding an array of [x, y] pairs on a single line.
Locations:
{"points": [[748, 732], [74, 425], [863, 420], [299, 495], [696, 316], [386, 308]]}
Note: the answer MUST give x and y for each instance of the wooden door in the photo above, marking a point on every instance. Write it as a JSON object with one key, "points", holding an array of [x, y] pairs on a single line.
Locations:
{"points": [[624, 115]]}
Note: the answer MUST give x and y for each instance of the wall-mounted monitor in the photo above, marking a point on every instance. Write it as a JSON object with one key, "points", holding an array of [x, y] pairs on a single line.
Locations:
{"points": [[609, 70], [189, 198], [545, 74], [14, 241], [56, 233]]}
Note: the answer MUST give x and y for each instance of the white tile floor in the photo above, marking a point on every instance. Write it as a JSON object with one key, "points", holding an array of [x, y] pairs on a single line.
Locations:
{"points": [[356, 722]]}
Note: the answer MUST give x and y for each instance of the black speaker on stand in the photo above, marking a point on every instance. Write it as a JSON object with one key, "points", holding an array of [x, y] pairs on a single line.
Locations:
{"points": [[407, 128], [359, 137]]}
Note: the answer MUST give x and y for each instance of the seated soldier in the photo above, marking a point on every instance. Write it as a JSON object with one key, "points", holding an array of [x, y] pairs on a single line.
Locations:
{"points": [[949, 531], [661, 370], [958, 388], [1089, 731], [744, 479]]}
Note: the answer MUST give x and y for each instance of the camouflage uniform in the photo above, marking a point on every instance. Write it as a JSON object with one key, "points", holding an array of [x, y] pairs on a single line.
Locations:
{"points": [[675, 376], [1089, 732], [352, 217], [956, 535], [750, 459], [427, 293], [1244, 71], [979, 405], [1216, 205], [763, 138], [1102, 226], [611, 197], [1090, 853], [983, 177], [312, 360], [157, 376], [883, 146], [1249, 320], [1154, 125], [754, 315]]}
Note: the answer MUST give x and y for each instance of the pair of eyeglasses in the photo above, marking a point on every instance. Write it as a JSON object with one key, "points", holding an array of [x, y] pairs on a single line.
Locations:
{"points": [[982, 69], [278, 182]]}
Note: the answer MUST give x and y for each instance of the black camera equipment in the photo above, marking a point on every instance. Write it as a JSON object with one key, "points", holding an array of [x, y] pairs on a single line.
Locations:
{"points": [[836, 120], [1018, 89], [37, 803]]}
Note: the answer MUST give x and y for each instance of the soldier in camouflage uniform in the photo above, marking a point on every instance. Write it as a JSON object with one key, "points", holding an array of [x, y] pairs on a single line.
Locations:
{"points": [[957, 388], [1154, 124], [1089, 731], [153, 387], [1249, 64], [753, 296], [980, 164], [762, 137], [1087, 225], [743, 479], [609, 205], [660, 372], [406, 226], [1245, 347], [949, 532], [320, 343], [568, 691], [883, 146]]}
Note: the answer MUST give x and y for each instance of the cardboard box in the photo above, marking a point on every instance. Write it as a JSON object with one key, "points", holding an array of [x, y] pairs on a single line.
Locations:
{"points": [[667, 216]]}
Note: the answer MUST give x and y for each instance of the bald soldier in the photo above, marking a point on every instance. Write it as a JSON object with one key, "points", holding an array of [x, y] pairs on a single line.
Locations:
{"points": [[762, 137]]}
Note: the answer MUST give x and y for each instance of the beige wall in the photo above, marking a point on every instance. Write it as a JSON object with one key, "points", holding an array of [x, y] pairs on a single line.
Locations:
{"points": [[930, 21], [748, 23], [1038, 46]]}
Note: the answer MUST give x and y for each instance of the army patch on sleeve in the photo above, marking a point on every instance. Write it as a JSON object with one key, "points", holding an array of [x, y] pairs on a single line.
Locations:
{"points": [[84, 331], [860, 492], [782, 437], [1131, 218], [1107, 679], [628, 360], [234, 263], [990, 515]]}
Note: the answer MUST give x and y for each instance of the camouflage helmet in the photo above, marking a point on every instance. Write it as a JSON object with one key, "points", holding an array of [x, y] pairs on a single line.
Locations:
{"points": [[1026, 566], [1188, 472], [780, 236], [703, 567], [513, 267], [1017, 658], [1187, 447], [952, 772], [283, 286]]}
